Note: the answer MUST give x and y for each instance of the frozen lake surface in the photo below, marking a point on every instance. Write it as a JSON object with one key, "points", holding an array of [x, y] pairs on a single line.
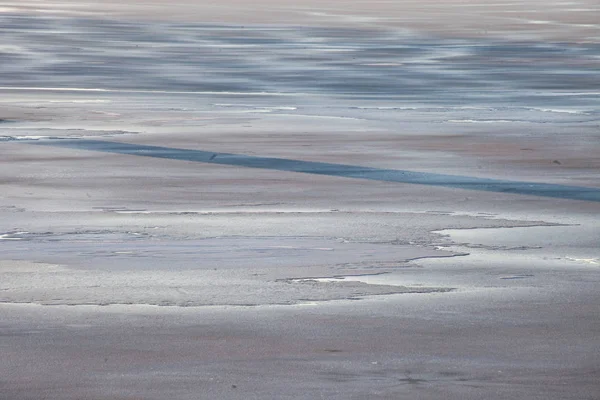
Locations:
{"points": [[319, 200]]}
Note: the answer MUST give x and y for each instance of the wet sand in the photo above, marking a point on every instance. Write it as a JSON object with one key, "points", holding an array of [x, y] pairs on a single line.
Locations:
{"points": [[124, 276]]}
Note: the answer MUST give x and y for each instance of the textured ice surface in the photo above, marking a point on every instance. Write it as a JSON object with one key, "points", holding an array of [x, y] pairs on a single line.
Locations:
{"points": [[128, 277]]}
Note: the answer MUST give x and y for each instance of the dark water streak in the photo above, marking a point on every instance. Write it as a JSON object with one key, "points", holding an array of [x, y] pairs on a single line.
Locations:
{"points": [[339, 170]]}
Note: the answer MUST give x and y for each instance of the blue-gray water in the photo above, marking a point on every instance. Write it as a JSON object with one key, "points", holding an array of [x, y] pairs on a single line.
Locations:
{"points": [[339, 170], [369, 64]]}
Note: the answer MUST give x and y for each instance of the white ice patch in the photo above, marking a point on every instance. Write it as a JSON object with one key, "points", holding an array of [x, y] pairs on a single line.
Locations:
{"points": [[592, 261], [80, 101], [367, 279], [142, 91], [383, 64], [302, 248], [479, 121], [382, 279], [28, 137], [11, 48], [269, 109], [13, 235], [557, 110], [386, 108]]}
